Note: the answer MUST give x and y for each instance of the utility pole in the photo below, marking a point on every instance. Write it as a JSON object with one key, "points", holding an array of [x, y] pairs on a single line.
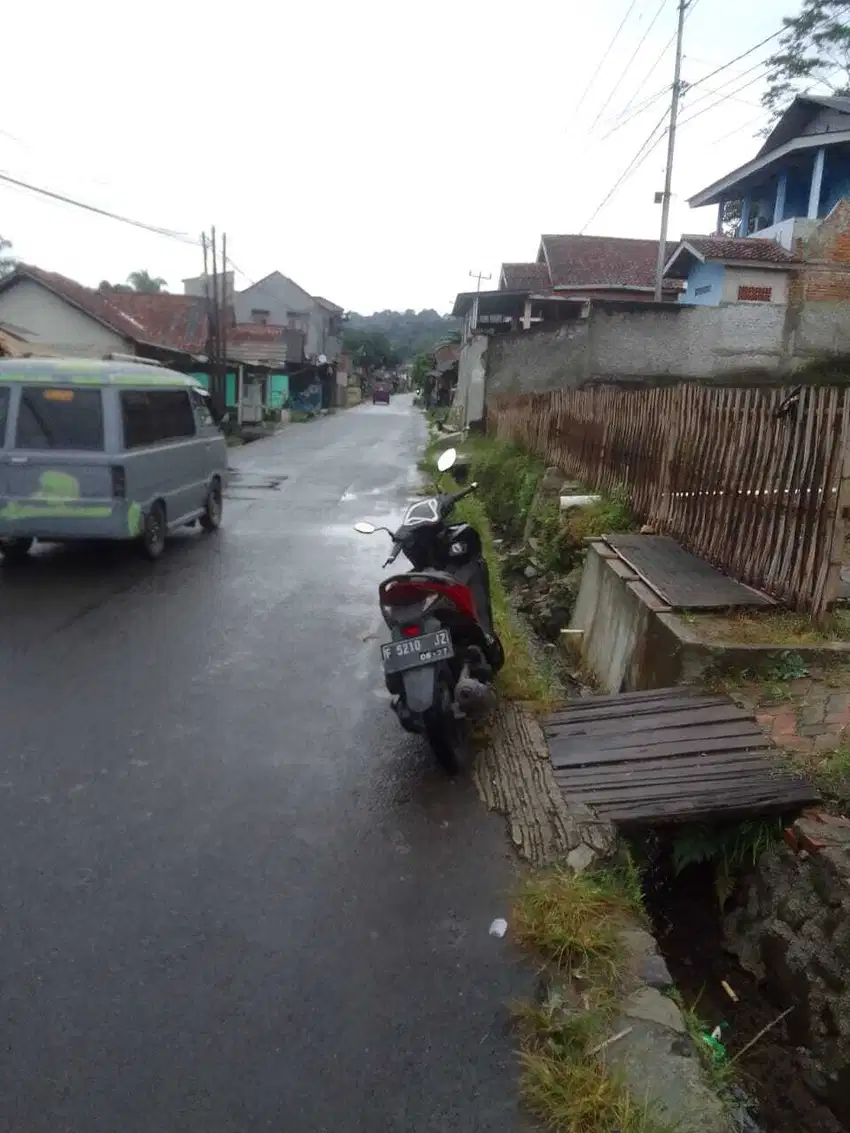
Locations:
{"points": [[479, 275], [671, 145]]}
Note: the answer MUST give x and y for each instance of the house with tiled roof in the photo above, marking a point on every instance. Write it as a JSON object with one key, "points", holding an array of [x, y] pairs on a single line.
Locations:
{"points": [[603, 267], [722, 269], [81, 322], [522, 277]]}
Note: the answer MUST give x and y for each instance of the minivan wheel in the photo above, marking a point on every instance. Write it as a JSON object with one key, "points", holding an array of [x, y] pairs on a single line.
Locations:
{"points": [[211, 518], [16, 550], [153, 532]]}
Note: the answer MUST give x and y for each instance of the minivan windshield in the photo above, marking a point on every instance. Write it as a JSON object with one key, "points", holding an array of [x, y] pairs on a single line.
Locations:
{"points": [[60, 417]]}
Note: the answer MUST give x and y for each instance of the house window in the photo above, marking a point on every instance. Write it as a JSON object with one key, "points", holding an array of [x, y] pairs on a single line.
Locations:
{"points": [[60, 418], [704, 290], [754, 294], [259, 316]]}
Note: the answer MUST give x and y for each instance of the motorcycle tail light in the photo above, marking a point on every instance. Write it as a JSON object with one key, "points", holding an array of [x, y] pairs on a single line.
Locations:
{"points": [[411, 631]]}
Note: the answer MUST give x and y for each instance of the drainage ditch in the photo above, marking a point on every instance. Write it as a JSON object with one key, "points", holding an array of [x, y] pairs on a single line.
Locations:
{"points": [[768, 1081]]}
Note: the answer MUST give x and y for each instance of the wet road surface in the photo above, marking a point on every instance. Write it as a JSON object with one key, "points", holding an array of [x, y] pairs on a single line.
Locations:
{"points": [[235, 896]]}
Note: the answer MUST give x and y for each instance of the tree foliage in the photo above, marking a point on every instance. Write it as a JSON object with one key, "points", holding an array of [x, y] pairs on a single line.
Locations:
{"points": [[369, 349], [731, 218], [7, 263], [144, 281], [408, 332], [813, 53], [137, 281]]}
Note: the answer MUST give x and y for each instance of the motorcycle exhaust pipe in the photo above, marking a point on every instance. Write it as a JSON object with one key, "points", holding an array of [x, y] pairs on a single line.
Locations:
{"points": [[473, 697]]}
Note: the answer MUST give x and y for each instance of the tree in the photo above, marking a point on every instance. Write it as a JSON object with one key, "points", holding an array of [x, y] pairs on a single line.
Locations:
{"points": [[731, 218], [370, 349], [814, 51], [144, 281], [409, 332], [7, 263]]}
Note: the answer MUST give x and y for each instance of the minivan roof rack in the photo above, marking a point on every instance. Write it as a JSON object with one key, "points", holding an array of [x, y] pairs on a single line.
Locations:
{"points": [[132, 358]]}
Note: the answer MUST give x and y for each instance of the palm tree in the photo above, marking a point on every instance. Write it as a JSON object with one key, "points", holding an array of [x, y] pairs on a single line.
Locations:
{"points": [[144, 281]]}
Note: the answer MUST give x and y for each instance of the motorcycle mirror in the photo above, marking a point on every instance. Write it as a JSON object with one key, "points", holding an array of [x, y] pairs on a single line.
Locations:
{"points": [[446, 459], [364, 528]]}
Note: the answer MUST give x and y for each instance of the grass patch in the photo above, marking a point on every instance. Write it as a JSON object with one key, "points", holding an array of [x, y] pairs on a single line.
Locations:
{"points": [[574, 921], [508, 479], [578, 1094], [574, 924], [832, 775], [521, 678], [771, 627]]}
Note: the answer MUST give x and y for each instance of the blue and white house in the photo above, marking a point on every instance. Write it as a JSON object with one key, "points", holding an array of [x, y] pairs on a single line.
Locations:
{"points": [[797, 177], [722, 269]]}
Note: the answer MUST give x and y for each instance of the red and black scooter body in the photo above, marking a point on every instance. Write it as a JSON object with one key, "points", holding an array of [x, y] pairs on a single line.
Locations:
{"points": [[443, 653]]}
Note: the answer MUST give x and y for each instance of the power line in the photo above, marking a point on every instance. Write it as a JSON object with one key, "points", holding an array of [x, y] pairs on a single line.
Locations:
{"points": [[607, 52], [62, 198], [738, 129], [654, 98], [737, 59], [634, 56], [633, 166], [158, 231], [725, 98], [641, 108]]}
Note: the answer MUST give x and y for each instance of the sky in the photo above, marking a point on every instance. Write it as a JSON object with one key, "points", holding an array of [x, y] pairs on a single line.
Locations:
{"points": [[375, 152]]}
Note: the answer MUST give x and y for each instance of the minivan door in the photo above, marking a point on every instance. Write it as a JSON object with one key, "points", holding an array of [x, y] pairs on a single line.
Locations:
{"points": [[54, 464], [5, 398]]}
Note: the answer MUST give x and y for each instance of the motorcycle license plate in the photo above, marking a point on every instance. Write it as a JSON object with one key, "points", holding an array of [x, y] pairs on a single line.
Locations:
{"points": [[411, 652]]}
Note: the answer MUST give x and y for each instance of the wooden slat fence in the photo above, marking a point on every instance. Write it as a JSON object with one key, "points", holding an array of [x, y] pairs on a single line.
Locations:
{"points": [[760, 496]]}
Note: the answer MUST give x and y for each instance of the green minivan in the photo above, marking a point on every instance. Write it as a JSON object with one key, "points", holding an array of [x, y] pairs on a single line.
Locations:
{"points": [[94, 450]]}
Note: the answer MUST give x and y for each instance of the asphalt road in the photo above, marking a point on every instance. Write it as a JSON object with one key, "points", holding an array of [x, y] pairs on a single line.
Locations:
{"points": [[235, 896]]}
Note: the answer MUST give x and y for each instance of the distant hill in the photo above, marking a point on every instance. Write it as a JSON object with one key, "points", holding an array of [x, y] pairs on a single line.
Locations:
{"points": [[409, 332]]}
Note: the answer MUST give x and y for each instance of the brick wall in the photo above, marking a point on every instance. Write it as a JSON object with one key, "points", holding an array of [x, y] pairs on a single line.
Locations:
{"points": [[825, 278]]}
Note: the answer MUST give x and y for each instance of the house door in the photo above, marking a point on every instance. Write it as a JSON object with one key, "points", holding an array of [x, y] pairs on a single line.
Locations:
{"points": [[252, 402]]}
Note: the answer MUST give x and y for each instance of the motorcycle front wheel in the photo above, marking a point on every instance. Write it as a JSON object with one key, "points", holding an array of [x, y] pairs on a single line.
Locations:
{"points": [[446, 734]]}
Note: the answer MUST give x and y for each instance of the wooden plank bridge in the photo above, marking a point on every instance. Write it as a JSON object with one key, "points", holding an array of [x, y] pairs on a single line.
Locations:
{"points": [[672, 755]]}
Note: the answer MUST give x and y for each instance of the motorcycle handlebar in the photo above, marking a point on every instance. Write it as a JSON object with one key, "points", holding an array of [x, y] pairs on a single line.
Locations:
{"points": [[395, 553], [457, 496]]}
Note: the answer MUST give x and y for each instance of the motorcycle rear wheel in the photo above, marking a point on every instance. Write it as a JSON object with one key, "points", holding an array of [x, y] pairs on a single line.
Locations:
{"points": [[446, 734]]}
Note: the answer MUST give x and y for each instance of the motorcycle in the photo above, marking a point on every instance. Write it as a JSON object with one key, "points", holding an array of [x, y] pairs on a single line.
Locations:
{"points": [[444, 652]]}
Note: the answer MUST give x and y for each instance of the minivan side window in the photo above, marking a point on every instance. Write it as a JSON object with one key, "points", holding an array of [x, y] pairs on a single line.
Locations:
{"points": [[4, 410], [154, 416], [202, 408], [60, 417]]}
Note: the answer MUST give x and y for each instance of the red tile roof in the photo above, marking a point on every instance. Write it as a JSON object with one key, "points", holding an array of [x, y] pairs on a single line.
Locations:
{"points": [[89, 301], [522, 277], [763, 251], [177, 321], [602, 261]]}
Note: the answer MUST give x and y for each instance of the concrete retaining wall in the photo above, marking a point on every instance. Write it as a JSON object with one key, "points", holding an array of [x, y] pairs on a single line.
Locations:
{"points": [[747, 341], [613, 612]]}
